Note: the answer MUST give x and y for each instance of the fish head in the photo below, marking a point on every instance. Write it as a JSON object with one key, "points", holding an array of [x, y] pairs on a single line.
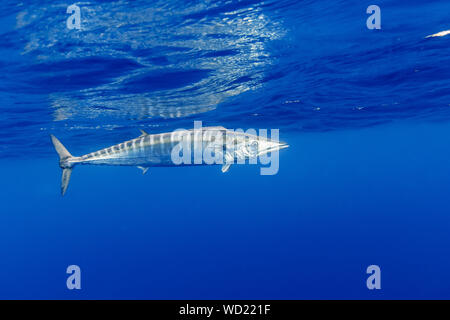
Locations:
{"points": [[252, 146]]}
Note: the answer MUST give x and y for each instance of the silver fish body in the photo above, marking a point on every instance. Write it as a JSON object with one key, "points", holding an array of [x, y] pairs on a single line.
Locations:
{"points": [[160, 150]]}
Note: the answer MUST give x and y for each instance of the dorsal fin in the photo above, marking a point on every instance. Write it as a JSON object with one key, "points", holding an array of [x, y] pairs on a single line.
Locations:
{"points": [[143, 132]]}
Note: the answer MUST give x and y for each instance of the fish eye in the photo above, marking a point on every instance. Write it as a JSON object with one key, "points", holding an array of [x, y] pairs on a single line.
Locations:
{"points": [[252, 147]]}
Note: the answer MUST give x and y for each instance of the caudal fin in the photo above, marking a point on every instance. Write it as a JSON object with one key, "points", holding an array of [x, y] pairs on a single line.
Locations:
{"points": [[66, 165], [65, 179], [60, 149]]}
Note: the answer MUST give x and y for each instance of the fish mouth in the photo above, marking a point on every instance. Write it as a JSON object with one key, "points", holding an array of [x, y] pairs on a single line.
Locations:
{"points": [[283, 146], [280, 146]]}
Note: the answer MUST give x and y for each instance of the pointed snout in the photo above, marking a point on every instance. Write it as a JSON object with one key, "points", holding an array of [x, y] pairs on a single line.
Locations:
{"points": [[282, 145], [275, 146]]}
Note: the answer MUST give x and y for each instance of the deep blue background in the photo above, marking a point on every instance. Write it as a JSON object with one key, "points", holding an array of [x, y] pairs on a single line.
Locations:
{"points": [[364, 182]]}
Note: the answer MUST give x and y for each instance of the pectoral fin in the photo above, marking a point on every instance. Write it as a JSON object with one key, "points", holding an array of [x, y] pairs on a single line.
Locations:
{"points": [[144, 169], [226, 167]]}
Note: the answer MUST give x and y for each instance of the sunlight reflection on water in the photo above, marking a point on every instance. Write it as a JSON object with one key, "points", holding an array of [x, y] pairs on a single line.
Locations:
{"points": [[183, 62]]}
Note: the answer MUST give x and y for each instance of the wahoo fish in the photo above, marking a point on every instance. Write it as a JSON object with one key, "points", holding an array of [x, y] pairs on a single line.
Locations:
{"points": [[177, 148]]}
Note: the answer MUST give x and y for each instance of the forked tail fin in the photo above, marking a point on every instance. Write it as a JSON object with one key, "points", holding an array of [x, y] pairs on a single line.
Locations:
{"points": [[65, 179], [62, 151], [66, 165]]}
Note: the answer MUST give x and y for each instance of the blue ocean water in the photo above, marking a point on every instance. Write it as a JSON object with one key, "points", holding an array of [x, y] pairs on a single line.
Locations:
{"points": [[365, 180]]}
